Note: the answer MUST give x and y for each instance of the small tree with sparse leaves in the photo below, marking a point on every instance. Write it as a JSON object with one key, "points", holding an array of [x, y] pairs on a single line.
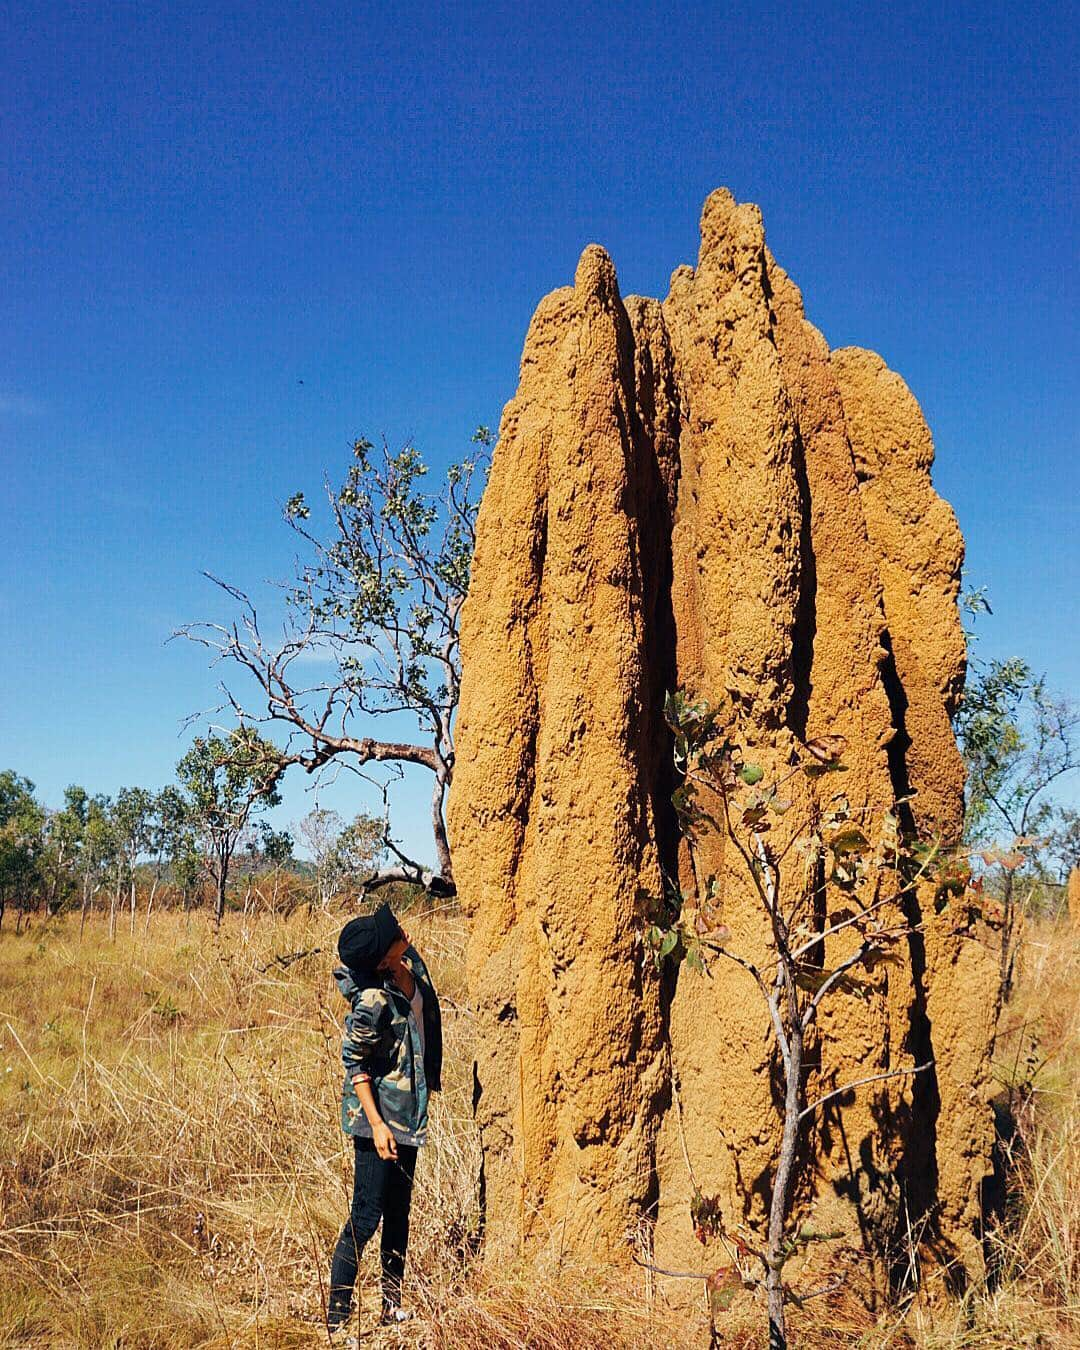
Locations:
{"points": [[791, 855], [1019, 741]]}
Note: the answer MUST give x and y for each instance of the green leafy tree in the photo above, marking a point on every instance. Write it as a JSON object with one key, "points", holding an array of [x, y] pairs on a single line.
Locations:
{"points": [[132, 818], [275, 846], [225, 780], [1020, 742], [276, 850], [167, 830], [378, 603], [1063, 846], [63, 839], [342, 855], [87, 822], [320, 831], [360, 848], [22, 831], [186, 867]]}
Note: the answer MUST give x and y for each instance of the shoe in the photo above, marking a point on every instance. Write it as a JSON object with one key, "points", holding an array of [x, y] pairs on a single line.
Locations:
{"points": [[392, 1315]]}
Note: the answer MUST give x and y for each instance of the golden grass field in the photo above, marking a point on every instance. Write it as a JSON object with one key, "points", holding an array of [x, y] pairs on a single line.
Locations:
{"points": [[172, 1172]]}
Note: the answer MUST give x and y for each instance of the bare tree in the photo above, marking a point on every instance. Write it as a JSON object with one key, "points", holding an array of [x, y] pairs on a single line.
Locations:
{"points": [[378, 602]]}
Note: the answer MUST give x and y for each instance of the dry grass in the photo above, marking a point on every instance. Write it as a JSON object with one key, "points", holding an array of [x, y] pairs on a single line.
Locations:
{"points": [[1035, 1299], [172, 1173]]}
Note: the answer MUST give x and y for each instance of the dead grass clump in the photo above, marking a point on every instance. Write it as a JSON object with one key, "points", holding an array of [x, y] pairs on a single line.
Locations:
{"points": [[1033, 1295], [513, 1308]]}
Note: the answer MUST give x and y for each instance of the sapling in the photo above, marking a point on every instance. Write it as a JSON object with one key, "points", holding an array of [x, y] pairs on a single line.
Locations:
{"points": [[794, 853]]}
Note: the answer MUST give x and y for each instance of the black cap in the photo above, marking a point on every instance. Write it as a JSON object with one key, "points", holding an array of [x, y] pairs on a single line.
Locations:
{"points": [[364, 941]]}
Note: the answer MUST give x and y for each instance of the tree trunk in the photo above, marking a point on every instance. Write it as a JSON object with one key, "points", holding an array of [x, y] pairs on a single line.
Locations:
{"points": [[114, 902], [150, 904], [54, 890], [1008, 939], [219, 899], [438, 825], [774, 1275]]}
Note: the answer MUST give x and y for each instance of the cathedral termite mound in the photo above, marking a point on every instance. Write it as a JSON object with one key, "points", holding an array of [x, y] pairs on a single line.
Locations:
{"points": [[697, 493]]}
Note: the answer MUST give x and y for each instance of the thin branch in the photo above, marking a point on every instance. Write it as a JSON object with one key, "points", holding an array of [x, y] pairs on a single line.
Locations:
{"points": [[859, 1082], [800, 1299], [838, 927], [834, 978], [671, 1274]]}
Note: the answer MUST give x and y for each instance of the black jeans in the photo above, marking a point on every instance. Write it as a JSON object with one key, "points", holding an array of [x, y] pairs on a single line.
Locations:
{"points": [[382, 1189]]}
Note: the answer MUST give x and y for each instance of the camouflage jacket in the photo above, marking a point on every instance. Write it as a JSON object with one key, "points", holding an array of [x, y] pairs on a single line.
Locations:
{"points": [[381, 1038]]}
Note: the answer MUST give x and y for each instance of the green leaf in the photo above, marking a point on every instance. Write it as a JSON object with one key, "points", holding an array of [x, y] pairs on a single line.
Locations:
{"points": [[849, 839], [667, 945], [751, 774]]}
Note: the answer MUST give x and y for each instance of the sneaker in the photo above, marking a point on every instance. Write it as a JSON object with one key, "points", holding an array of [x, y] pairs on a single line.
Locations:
{"points": [[392, 1315]]}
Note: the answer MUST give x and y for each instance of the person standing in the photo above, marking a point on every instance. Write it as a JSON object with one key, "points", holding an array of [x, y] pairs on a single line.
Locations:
{"points": [[392, 1052]]}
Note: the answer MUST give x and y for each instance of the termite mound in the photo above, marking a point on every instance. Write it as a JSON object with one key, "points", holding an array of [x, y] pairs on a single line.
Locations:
{"points": [[697, 493]]}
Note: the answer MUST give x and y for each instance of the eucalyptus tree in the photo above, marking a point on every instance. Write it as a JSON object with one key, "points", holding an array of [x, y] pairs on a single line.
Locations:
{"points": [[132, 818], [63, 840], [361, 846], [22, 829], [376, 602], [168, 830], [225, 780], [320, 830], [340, 853], [89, 826]]}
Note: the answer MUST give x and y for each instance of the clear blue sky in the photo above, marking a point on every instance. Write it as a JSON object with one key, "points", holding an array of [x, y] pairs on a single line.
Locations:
{"points": [[203, 205]]}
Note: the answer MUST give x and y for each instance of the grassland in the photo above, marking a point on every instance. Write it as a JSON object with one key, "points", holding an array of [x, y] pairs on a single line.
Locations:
{"points": [[172, 1173]]}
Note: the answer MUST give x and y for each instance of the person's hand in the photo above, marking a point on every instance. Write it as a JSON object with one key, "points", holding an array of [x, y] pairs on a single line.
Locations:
{"points": [[385, 1143]]}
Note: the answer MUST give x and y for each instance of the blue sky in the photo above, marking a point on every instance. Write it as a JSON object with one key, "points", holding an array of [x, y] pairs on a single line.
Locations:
{"points": [[202, 206]]}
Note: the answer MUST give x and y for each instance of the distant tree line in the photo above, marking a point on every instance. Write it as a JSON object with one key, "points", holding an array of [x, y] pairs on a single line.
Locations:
{"points": [[201, 841]]}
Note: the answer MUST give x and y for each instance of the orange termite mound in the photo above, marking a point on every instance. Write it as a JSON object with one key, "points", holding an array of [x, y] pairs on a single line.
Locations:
{"points": [[697, 493]]}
